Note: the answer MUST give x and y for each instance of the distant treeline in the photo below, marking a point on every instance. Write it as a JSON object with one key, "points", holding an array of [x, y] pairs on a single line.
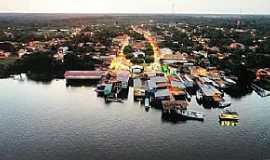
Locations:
{"points": [[39, 19]]}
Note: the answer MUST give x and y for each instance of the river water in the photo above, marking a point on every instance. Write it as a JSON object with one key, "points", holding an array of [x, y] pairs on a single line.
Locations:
{"points": [[40, 121]]}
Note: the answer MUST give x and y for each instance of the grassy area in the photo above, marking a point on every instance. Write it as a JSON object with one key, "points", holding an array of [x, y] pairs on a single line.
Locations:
{"points": [[8, 61]]}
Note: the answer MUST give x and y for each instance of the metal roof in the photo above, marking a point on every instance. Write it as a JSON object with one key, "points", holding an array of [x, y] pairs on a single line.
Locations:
{"points": [[137, 83], [177, 84], [209, 90], [162, 93], [158, 79]]}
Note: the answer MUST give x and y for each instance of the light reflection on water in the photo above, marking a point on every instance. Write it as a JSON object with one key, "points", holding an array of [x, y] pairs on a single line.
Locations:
{"points": [[52, 121]]}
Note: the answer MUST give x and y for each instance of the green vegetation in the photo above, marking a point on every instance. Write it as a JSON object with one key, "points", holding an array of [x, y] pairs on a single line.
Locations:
{"points": [[149, 59], [149, 49], [149, 52], [137, 60], [128, 49], [137, 36], [6, 65]]}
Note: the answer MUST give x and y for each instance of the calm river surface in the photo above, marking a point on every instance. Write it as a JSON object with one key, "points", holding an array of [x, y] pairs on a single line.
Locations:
{"points": [[53, 122]]}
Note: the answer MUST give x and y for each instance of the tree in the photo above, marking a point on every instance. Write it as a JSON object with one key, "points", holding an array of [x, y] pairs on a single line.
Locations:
{"points": [[127, 50], [37, 63], [149, 49], [129, 56], [149, 59], [72, 62], [135, 60]]}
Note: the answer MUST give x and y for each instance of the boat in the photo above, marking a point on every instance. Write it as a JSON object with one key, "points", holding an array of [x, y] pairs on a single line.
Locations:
{"points": [[199, 95], [188, 96], [228, 123], [100, 89], [104, 89], [147, 103], [228, 115], [193, 115], [229, 81], [224, 103]]}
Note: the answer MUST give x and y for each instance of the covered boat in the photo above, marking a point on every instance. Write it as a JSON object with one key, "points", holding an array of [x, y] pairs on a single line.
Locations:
{"points": [[228, 115]]}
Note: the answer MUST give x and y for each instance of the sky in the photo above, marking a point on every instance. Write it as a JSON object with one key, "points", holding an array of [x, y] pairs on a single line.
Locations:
{"points": [[137, 6]]}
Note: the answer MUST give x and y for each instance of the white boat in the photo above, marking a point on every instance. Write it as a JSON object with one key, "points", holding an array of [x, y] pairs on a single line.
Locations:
{"points": [[188, 96], [224, 103], [199, 95], [191, 114], [147, 103], [229, 81], [228, 115]]}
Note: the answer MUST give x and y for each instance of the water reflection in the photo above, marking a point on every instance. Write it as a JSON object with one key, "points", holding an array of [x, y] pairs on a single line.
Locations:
{"points": [[42, 78], [228, 123], [239, 91], [79, 83], [165, 117]]}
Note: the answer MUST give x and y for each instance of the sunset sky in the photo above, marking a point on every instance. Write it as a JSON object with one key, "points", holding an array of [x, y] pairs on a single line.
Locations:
{"points": [[137, 6]]}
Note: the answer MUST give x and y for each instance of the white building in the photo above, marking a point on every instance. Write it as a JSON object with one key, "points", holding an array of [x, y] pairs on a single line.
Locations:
{"points": [[164, 51], [136, 54]]}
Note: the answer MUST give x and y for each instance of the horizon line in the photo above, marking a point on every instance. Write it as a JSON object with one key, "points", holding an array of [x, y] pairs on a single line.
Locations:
{"points": [[133, 13]]}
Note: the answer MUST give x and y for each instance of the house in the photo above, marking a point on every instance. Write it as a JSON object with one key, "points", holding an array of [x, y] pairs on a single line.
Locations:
{"points": [[173, 58], [203, 53], [162, 94], [80, 75], [136, 69], [166, 51], [138, 54]]}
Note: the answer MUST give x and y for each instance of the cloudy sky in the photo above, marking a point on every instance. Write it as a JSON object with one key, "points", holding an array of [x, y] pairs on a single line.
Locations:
{"points": [[137, 6]]}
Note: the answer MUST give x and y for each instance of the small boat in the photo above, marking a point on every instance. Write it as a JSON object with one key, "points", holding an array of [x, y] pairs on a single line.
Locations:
{"points": [[215, 84], [193, 115], [228, 115], [100, 89], [224, 103], [188, 96], [229, 81], [147, 103], [199, 95]]}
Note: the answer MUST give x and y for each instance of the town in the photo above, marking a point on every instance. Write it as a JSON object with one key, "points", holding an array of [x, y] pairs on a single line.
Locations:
{"points": [[163, 64]]}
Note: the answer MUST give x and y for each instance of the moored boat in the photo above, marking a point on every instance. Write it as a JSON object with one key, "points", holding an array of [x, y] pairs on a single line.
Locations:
{"points": [[193, 115], [228, 115], [147, 103], [224, 103], [100, 89], [229, 81], [188, 96], [199, 95]]}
